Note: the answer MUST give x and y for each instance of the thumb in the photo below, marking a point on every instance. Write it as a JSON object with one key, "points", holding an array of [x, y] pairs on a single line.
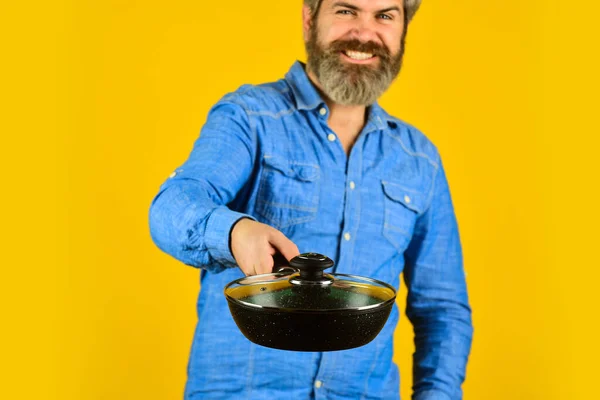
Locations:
{"points": [[284, 245]]}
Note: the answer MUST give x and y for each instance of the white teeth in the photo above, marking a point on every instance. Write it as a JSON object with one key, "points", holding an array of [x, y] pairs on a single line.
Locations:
{"points": [[357, 55]]}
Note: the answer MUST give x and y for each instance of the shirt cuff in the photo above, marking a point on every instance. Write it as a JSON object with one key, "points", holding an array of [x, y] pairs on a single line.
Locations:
{"points": [[218, 230], [431, 395]]}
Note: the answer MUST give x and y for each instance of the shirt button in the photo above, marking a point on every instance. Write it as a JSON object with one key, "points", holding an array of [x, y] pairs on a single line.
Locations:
{"points": [[347, 236], [173, 175], [331, 137], [323, 111], [352, 185], [318, 384], [407, 199]]}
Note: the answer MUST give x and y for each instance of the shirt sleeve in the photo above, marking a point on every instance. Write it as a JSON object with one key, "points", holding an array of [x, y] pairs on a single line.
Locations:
{"points": [[189, 217], [437, 301]]}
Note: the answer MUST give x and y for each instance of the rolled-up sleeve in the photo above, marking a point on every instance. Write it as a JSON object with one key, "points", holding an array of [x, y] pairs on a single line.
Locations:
{"points": [[189, 217], [437, 302]]}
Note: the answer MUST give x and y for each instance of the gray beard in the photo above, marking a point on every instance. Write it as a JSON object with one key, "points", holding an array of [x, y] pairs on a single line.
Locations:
{"points": [[352, 84]]}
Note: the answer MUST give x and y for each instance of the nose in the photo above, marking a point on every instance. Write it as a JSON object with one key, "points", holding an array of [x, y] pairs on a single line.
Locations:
{"points": [[364, 29]]}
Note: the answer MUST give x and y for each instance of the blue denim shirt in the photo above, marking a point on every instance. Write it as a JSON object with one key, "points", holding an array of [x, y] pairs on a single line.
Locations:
{"points": [[266, 152]]}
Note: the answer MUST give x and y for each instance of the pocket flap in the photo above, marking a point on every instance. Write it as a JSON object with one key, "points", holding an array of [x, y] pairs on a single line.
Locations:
{"points": [[300, 171], [410, 198]]}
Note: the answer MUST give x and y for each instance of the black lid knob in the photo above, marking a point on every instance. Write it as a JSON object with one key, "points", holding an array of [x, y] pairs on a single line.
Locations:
{"points": [[311, 265]]}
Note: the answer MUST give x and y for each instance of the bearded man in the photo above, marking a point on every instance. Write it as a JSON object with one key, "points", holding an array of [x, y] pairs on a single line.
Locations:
{"points": [[312, 162]]}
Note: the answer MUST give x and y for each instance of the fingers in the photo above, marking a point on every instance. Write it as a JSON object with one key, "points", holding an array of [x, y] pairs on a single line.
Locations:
{"points": [[248, 267], [284, 245], [266, 263], [257, 262], [254, 244], [260, 263]]}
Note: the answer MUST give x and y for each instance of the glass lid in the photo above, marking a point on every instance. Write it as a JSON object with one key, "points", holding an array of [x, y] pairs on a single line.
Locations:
{"points": [[304, 287]]}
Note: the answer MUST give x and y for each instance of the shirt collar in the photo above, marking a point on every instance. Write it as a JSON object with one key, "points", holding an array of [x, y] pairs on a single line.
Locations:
{"points": [[378, 118], [305, 93], [308, 98]]}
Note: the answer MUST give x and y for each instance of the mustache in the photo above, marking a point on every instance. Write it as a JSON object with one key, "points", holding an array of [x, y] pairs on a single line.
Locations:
{"points": [[356, 45]]}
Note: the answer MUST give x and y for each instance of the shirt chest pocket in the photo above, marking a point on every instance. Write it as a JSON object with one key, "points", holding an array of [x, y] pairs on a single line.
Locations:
{"points": [[402, 207], [288, 192]]}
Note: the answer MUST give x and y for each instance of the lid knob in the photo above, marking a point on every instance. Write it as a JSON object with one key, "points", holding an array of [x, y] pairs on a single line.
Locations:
{"points": [[311, 266]]}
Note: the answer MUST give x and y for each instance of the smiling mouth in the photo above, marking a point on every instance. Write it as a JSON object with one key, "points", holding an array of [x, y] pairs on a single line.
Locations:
{"points": [[358, 55]]}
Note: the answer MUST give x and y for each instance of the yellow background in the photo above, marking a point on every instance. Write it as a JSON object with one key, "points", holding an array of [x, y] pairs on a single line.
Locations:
{"points": [[101, 100]]}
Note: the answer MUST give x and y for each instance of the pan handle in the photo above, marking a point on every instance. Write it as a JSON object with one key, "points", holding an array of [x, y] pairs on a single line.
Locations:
{"points": [[281, 264]]}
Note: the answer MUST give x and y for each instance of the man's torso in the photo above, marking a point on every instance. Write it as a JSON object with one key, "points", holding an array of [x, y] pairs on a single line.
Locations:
{"points": [[358, 208]]}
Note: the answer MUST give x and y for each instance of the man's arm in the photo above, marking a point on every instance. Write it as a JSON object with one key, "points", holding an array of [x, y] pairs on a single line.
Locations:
{"points": [[189, 217], [437, 303]]}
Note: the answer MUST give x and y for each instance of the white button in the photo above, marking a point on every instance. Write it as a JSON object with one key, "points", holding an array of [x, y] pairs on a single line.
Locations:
{"points": [[318, 384], [323, 111], [331, 137], [352, 185], [347, 236], [406, 199], [173, 175]]}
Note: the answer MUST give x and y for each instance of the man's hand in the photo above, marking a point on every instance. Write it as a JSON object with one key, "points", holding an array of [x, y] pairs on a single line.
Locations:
{"points": [[254, 244]]}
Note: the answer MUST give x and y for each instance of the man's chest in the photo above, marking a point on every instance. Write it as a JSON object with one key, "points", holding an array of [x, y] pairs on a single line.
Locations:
{"points": [[307, 185]]}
